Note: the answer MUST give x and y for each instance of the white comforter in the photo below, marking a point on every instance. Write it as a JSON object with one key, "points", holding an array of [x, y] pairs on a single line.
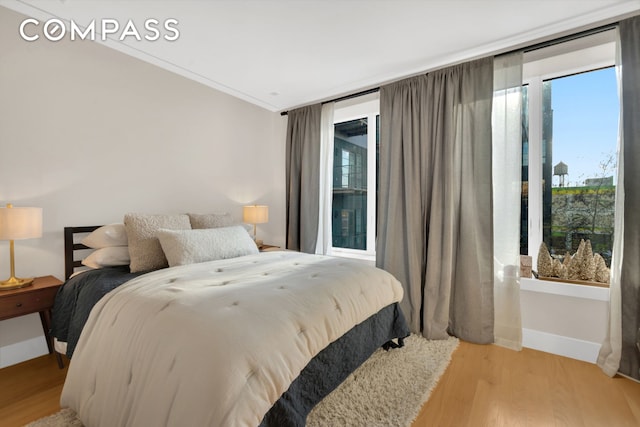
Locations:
{"points": [[217, 343]]}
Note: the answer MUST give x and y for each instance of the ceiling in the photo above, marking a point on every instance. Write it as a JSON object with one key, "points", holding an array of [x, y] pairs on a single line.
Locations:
{"points": [[283, 54]]}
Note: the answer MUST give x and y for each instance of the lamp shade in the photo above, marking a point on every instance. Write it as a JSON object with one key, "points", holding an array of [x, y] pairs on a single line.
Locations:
{"points": [[20, 223], [255, 214]]}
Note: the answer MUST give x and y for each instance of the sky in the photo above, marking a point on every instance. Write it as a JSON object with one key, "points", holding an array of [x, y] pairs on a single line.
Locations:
{"points": [[585, 123]]}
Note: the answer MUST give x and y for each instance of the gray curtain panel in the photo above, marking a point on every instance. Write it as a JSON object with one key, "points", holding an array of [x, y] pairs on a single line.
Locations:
{"points": [[303, 177], [435, 204], [630, 274]]}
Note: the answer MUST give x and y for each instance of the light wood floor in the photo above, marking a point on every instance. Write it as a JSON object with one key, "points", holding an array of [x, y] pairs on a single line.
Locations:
{"points": [[483, 386], [30, 390], [487, 385]]}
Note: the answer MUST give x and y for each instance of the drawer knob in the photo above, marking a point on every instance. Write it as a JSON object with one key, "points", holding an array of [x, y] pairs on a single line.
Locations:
{"points": [[19, 304]]}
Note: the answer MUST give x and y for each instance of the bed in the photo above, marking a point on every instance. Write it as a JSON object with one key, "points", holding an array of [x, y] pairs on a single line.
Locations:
{"points": [[256, 339]]}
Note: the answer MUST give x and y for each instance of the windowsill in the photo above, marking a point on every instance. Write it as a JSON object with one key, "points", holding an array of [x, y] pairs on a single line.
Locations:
{"points": [[354, 254], [574, 282], [575, 290]]}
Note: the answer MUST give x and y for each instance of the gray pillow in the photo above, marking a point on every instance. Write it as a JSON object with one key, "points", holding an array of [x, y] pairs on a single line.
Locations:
{"points": [[192, 246], [144, 248], [214, 220]]}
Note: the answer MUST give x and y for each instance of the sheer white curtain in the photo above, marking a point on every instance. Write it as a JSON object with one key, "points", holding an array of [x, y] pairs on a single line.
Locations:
{"points": [[507, 187], [323, 243], [611, 350]]}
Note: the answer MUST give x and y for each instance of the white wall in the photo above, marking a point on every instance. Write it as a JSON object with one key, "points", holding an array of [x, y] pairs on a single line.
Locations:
{"points": [[88, 134], [562, 318]]}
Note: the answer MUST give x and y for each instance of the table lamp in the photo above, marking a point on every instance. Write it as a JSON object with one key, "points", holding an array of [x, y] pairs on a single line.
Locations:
{"points": [[18, 224], [255, 214]]}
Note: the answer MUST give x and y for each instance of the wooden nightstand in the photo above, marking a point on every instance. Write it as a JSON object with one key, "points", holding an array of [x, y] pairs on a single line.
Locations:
{"points": [[268, 248], [38, 297]]}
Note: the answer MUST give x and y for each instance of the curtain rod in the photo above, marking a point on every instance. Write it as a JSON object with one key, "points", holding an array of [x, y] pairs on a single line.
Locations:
{"points": [[530, 48], [564, 39], [345, 97]]}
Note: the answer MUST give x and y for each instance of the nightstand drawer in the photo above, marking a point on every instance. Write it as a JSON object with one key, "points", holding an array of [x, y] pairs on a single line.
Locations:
{"points": [[27, 302]]}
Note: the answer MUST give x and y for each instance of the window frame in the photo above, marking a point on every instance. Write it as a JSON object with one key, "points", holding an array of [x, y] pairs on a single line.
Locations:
{"points": [[582, 55], [352, 109]]}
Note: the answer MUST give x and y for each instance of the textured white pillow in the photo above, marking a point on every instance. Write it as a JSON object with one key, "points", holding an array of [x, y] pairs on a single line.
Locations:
{"points": [[144, 247], [106, 236], [214, 220], [107, 257], [192, 246]]}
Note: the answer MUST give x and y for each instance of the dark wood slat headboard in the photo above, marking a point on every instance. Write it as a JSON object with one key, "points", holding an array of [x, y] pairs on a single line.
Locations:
{"points": [[70, 246]]}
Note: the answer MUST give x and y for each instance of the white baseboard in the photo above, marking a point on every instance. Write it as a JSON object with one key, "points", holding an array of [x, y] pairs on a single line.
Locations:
{"points": [[21, 351], [561, 345]]}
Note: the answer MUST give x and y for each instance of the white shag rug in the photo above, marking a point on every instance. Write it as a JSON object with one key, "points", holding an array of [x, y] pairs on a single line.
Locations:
{"points": [[388, 390]]}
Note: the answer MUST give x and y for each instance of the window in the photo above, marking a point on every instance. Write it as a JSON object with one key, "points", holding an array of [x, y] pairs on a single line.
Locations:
{"points": [[355, 153], [570, 133]]}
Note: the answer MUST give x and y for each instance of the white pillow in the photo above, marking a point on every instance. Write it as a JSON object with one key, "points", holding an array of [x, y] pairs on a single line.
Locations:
{"points": [[106, 236], [107, 257], [144, 247], [192, 246]]}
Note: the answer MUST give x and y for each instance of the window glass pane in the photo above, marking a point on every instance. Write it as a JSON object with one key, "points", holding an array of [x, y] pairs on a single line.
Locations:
{"points": [[524, 206], [349, 208], [580, 131]]}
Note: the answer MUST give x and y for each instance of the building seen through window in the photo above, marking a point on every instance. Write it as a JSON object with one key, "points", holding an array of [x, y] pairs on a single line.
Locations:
{"points": [[349, 207]]}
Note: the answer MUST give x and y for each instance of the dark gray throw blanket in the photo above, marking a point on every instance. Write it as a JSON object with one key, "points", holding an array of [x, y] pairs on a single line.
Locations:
{"points": [[76, 298]]}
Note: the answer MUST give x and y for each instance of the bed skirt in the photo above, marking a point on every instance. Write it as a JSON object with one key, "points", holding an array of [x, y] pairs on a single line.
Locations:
{"points": [[333, 365]]}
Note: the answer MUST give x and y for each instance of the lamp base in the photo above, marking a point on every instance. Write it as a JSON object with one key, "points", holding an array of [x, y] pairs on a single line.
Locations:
{"points": [[15, 283]]}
